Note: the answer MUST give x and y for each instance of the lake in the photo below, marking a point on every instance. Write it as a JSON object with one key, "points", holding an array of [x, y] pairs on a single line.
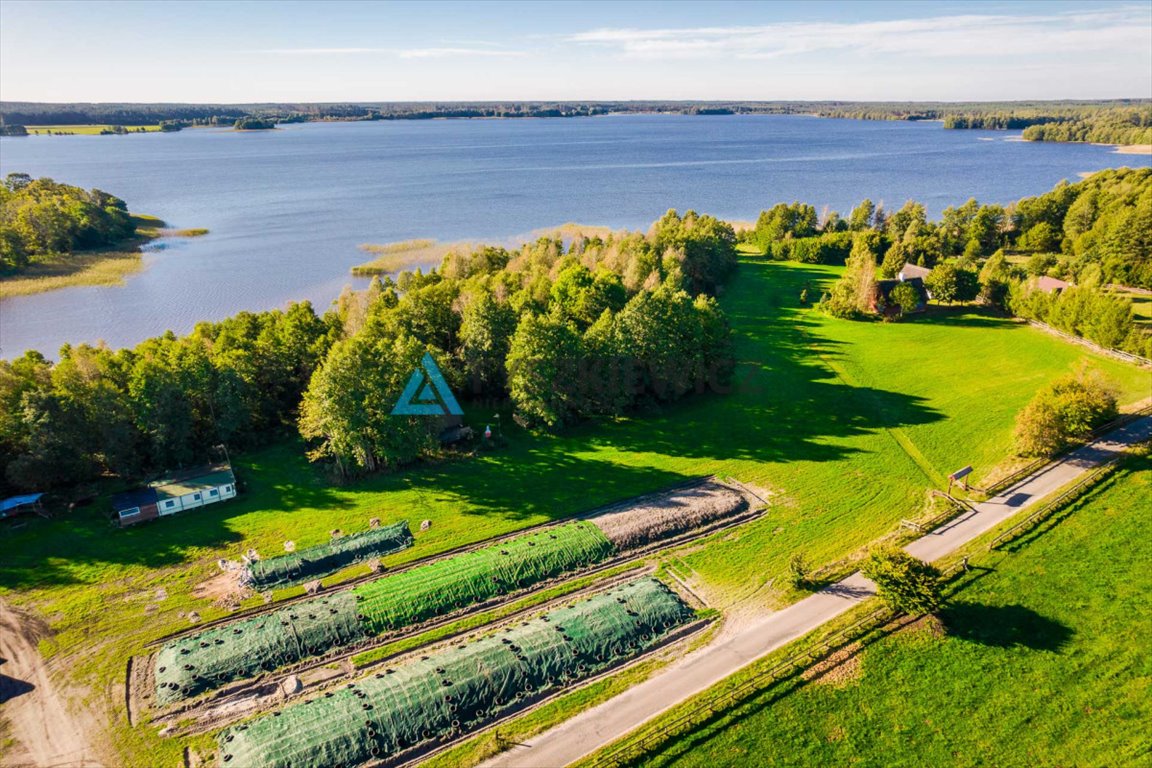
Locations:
{"points": [[287, 208]]}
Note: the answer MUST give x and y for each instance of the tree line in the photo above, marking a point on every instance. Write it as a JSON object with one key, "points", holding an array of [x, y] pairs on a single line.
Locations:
{"points": [[1117, 121], [593, 328], [1111, 127], [589, 328], [1095, 233], [41, 218]]}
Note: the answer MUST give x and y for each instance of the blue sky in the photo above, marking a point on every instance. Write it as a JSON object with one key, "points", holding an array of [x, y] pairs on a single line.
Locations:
{"points": [[396, 51]]}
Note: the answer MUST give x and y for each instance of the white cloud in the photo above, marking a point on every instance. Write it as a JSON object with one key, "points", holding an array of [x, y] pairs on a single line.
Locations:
{"points": [[322, 51], [432, 53], [943, 36], [403, 53]]}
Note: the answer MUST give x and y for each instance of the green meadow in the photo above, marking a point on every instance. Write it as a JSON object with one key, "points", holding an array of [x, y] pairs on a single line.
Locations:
{"points": [[1044, 663], [844, 427]]}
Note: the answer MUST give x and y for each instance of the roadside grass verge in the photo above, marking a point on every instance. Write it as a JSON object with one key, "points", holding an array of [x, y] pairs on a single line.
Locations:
{"points": [[1042, 662]]}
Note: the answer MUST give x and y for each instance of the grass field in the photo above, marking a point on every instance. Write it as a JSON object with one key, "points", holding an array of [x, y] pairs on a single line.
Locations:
{"points": [[846, 425], [1045, 664], [85, 130]]}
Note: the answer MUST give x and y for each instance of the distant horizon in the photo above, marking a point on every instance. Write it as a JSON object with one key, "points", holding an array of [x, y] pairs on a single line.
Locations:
{"points": [[100, 52], [641, 100]]}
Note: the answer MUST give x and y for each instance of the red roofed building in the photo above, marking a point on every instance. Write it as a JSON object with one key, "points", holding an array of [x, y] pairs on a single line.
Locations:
{"points": [[1051, 284]]}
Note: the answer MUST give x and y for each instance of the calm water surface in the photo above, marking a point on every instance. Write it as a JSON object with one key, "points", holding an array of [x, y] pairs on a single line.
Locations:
{"points": [[287, 208]]}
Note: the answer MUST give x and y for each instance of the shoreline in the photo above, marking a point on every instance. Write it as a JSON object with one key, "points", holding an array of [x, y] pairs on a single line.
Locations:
{"points": [[1131, 149], [108, 266]]}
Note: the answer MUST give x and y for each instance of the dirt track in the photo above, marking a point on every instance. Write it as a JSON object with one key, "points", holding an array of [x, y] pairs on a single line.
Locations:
{"points": [[48, 734]]}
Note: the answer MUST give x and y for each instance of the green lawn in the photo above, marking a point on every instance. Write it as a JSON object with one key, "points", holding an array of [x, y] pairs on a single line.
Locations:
{"points": [[845, 424], [1045, 664]]}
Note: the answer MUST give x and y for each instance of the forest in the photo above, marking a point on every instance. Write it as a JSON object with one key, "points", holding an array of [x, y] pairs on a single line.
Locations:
{"points": [[41, 218], [1094, 234], [1118, 121], [585, 329], [567, 330]]}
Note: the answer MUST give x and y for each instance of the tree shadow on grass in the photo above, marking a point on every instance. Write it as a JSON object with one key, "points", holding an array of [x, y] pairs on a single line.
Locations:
{"points": [[964, 317], [1005, 626], [786, 405], [538, 479], [786, 401]]}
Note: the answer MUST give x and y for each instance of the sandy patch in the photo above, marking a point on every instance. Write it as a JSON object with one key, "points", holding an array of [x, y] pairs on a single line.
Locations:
{"points": [[1134, 149], [48, 734], [838, 670], [926, 626], [223, 589]]}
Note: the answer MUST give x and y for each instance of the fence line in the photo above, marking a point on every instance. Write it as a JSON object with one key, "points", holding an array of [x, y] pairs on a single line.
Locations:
{"points": [[801, 660], [1046, 510], [1126, 356], [750, 687], [1122, 420], [759, 682]]}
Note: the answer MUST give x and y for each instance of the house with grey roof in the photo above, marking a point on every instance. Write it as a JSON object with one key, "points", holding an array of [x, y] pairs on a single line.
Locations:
{"points": [[175, 493]]}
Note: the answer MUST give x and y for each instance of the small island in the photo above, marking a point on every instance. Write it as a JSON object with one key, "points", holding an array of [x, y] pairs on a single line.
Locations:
{"points": [[254, 124], [55, 235]]}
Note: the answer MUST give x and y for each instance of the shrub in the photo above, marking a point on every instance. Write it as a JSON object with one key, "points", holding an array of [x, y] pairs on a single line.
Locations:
{"points": [[799, 570], [1067, 410], [906, 583], [905, 296]]}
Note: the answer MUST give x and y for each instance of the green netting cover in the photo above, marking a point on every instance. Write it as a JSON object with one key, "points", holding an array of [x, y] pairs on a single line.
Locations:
{"points": [[461, 688], [323, 559], [209, 659], [245, 648], [438, 587]]}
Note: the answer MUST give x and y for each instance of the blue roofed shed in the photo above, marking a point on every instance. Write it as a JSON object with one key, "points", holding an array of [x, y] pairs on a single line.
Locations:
{"points": [[14, 505]]}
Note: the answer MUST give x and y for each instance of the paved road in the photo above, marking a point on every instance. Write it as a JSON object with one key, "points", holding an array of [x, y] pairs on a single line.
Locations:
{"points": [[707, 666]]}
